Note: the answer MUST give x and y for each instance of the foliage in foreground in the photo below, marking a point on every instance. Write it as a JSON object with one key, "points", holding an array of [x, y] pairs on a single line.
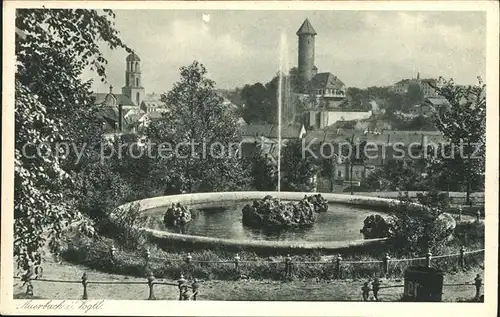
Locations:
{"points": [[171, 263], [53, 105]]}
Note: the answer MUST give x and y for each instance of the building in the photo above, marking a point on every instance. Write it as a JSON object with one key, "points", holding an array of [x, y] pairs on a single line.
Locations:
{"points": [[384, 146], [264, 137], [328, 87], [438, 103], [306, 67], [133, 82], [401, 87], [319, 119], [331, 104], [131, 110]]}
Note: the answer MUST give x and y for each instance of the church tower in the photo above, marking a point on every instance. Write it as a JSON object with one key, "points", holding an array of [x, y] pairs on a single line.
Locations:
{"points": [[133, 85], [306, 34]]}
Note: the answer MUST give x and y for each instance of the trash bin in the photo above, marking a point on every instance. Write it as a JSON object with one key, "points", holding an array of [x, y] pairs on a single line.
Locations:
{"points": [[423, 284]]}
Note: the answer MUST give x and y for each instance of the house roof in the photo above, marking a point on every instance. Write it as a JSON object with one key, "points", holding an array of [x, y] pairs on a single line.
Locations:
{"points": [[386, 137], [326, 81], [306, 29], [437, 101], [153, 103], [271, 130], [121, 99], [111, 114]]}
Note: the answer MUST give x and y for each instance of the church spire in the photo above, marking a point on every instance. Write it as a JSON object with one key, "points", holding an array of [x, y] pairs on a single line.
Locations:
{"points": [[133, 82]]}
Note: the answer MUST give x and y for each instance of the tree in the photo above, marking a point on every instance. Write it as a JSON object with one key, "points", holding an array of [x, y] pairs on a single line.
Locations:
{"points": [[414, 95], [464, 126], [53, 105], [417, 229], [297, 171], [257, 105], [263, 172], [354, 154], [198, 141], [397, 174]]}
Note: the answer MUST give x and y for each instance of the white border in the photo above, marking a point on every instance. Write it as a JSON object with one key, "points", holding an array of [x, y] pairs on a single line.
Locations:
{"points": [[211, 308]]}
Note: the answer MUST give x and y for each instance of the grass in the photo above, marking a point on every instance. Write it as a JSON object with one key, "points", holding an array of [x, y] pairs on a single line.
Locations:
{"points": [[171, 263]]}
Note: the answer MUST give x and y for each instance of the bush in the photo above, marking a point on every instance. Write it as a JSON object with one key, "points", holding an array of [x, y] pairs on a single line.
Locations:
{"points": [[125, 224], [374, 227], [206, 264], [416, 229], [177, 215]]}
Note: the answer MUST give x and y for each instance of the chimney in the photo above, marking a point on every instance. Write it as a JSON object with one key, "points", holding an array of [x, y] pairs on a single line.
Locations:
{"points": [[120, 118]]}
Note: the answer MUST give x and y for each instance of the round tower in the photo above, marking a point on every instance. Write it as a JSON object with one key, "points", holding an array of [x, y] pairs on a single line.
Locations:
{"points": [[306, 34]]}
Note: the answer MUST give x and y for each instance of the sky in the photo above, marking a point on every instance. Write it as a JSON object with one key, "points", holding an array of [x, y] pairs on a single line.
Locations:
{"points": [[362, 48]]}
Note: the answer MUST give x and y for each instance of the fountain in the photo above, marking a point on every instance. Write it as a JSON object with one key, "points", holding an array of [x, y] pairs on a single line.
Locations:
{"points": [[218, 221], [280, 101]]}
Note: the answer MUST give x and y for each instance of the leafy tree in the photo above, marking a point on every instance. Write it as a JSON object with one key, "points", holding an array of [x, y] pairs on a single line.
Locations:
{"points": [[464, 125], [257, 105], [419, 229], [197, 142], [353, 155], [263, 172], [297, 171], [414, 95], [419, 123], [397, 174], [53, 104]]}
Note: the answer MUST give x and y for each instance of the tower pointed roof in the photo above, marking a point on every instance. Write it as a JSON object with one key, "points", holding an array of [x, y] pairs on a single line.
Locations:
{"points": [[306, 29]]}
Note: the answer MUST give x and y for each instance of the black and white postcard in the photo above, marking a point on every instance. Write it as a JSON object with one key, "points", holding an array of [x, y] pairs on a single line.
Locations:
{"points": [[250, 158]]}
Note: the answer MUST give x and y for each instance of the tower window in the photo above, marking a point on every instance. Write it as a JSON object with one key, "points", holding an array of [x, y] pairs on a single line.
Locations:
{"points": [[137, 98], [137, 82]]}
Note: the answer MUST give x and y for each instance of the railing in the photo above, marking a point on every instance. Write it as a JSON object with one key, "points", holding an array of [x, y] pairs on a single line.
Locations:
{"points": [[181, 284], [288, 270]]}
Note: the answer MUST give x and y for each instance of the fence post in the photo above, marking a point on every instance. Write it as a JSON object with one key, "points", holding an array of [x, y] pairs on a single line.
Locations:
{"points": [[428, 257], [459, 213], [180, 282], [462, 257], [478, 216], [385, 263], [84, 283], [288, 264], [237, 263], [112, 251], [151, 283], [337, 266], [195, 286]]}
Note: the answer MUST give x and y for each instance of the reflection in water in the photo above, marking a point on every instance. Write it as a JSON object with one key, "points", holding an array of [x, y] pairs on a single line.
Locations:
{"points": [[338, 224]]}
